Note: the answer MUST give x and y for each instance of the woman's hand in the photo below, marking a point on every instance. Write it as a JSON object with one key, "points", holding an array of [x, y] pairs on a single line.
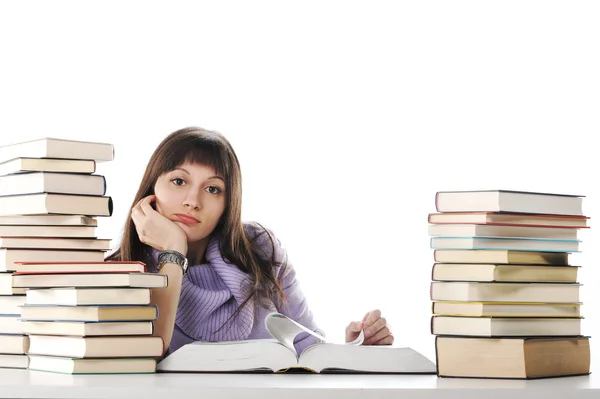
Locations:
{"points": [[375, 328], [156, 230]]}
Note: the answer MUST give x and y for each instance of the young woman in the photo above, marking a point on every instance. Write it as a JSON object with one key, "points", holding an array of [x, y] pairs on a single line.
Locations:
{"points": [[224, 276]]}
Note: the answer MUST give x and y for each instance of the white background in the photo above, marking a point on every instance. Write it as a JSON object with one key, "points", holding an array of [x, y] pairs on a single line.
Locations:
{"points": [[347, 117]]}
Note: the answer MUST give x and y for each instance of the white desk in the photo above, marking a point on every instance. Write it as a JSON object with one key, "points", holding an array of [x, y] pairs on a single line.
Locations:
{"points": [[36, 384]]}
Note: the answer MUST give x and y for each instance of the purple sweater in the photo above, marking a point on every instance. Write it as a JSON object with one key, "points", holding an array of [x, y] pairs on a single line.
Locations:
{"points": [[211, 292]]}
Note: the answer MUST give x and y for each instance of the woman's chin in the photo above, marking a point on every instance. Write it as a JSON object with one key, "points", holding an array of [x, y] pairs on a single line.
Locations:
{"points": [[191, 233]]}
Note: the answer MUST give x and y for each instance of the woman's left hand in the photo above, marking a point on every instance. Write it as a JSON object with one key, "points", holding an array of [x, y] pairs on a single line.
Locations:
{"points": [[375, 327]]}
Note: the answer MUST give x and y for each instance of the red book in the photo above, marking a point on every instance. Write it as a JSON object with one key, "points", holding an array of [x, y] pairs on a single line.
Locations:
{"points": [[80, 267]]}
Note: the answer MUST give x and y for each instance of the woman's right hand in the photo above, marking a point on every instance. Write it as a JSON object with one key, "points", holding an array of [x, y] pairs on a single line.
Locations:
{"points": [[156, 230]]}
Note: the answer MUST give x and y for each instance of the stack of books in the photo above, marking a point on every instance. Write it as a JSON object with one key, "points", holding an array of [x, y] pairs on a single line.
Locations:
{"points": [[70, 311], [506, 300]]}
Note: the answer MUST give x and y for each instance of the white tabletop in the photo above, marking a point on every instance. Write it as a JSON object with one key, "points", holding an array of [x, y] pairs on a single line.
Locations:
{"points": [[37, 384]]}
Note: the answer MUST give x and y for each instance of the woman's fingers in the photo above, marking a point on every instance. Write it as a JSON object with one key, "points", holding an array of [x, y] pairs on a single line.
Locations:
{"points": [[389, 340], [145, 205], [372, 317], [378, 336], [375, 327]]}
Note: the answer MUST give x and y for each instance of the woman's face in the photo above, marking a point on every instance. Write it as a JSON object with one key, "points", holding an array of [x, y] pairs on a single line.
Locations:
{"points": [[193, 197]]}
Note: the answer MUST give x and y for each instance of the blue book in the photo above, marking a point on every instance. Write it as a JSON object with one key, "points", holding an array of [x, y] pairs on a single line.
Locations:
{"points": [[505, 243]]}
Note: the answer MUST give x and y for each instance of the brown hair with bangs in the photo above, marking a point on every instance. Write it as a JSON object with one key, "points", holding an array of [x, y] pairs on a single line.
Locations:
{"points": [[209, 148]]}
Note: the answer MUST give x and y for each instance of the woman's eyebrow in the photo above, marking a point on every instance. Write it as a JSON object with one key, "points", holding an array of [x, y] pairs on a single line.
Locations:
{"points": [[216, 177], [210, 178], [182, 169]]}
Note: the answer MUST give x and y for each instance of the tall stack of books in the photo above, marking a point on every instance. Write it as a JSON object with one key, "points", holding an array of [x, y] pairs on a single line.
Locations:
{"points": [[69, 311], [506, 300]]}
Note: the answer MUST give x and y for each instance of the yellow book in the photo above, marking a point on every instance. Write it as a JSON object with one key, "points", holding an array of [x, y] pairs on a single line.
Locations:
{"points": [[506, 309]]}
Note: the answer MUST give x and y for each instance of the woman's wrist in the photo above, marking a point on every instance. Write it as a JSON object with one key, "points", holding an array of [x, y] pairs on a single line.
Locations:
{"points": [[179, 247], [172, 257], [172, 270]]}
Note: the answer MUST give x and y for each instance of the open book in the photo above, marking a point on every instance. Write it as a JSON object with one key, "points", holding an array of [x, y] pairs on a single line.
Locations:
{"points": [[279, 355]]}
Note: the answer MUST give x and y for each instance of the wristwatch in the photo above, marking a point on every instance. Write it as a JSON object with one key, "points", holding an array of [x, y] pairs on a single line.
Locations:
{"points": [[170, 256]]}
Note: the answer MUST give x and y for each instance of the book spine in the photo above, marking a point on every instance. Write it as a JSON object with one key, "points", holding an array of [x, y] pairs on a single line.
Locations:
{"points": [[156, 314], [110, 206], [437, 359], [437, 201]]}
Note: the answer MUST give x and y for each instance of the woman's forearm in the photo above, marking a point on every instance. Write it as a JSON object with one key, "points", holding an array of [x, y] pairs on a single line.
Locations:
{"points": [[167, 300]]}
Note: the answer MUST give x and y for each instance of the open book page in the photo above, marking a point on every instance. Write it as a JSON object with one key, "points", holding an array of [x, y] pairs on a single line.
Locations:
{"points": [[347, 357], [285, 330], [340, 358], [279, 354], [229, 356]]}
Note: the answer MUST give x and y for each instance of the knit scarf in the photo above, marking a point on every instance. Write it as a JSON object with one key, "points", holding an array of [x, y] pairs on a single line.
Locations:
{"points": [[211, 292]]}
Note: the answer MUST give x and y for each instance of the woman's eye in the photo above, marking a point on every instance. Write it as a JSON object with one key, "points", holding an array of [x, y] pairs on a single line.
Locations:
{"points": [[178, 181], [213, 189]]}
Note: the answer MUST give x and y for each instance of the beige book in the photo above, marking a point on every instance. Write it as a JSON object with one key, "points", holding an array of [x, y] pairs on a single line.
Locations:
{"points": [[89, 313], [505, 326], [96, 347], [509, 219], [58, 148], [47, 203], [504, 292], [501, 309], [6, 285], [14, 361], [502, 256], [134, 280], [47, 231], [66, 365], [50, 182], [98, 244], [14, 344], [84, 329], [10, 304], [8, 257], [509, 201], [73, 296], [48, 220], [504, 273], [519, 358], [11, 324], [21, 165]]}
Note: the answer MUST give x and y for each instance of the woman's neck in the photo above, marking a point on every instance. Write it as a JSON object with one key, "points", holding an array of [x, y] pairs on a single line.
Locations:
{"points": [[197, 251]]}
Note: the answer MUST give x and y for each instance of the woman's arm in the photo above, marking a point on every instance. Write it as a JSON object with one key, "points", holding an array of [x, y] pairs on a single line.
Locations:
{"points": [[167, 300], [296, 305], [157, 231], [296, 308]]}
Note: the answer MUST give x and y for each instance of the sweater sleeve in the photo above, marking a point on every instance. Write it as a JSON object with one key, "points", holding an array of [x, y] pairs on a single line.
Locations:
{"points": [[296, 308], [296, 305]]}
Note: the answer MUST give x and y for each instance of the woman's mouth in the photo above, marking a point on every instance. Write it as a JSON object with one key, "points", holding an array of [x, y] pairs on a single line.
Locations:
{"points": [[187, 219]]}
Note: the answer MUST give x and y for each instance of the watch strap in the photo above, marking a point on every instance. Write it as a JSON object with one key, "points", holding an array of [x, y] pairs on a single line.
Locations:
{"points": [[171, 256]]}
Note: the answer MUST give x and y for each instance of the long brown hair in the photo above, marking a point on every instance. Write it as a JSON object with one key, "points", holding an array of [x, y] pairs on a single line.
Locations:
{"points": [[212, 149]]}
